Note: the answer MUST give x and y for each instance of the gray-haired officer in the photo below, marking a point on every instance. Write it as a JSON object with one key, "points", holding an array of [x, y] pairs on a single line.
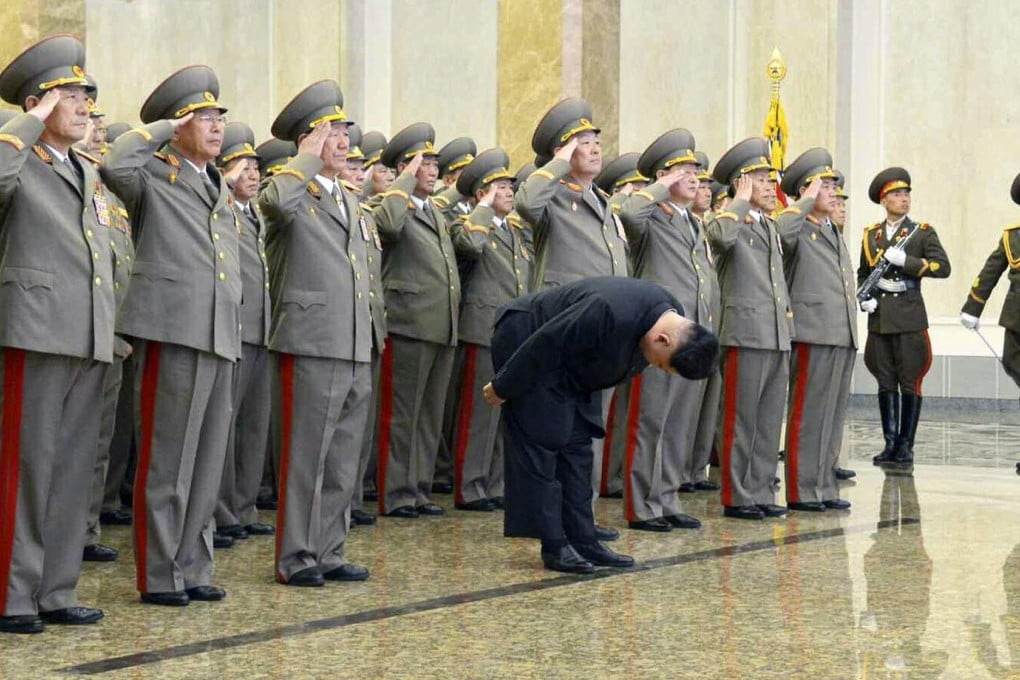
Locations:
{"points": [[321, 338], [820, 278], [183, 308], [898, 350], [755, 327], [56, 335]]}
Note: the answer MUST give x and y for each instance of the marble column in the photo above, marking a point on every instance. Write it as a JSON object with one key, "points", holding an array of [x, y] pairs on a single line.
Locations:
{"points": [[600, 69]]}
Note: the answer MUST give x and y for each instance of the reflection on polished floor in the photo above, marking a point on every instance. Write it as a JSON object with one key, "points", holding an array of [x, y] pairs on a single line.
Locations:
{"points": [[921, 579]]}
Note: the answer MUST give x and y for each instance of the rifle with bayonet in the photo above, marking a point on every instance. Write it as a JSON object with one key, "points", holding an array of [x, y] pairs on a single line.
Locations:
{"points": [[866, 289]]}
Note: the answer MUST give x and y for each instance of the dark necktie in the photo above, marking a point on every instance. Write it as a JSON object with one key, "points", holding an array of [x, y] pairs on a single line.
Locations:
{"points": [[210, 188], [74, 171]]}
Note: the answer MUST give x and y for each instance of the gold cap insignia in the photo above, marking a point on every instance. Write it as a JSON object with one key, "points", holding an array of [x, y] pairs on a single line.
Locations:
{"points": [[209, 96], [78, 71], [429, 146]]}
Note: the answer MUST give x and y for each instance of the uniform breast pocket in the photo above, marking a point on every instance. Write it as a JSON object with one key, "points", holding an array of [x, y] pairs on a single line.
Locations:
{"points": [[27, 279], [305, 299]]}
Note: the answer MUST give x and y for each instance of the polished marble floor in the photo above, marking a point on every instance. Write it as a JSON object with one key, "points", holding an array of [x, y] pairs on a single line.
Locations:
{"points": [[920, 580]]}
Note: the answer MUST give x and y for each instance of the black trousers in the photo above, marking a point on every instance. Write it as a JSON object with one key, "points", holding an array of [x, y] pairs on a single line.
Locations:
{"points": [[548, 455], [899, 361]]}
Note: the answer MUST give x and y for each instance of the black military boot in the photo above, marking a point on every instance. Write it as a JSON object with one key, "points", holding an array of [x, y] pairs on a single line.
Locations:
{"points": [[910, 413], [889, 407]]}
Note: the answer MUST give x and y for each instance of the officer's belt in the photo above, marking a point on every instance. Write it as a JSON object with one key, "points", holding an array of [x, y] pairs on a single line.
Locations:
{"points": [[900, 286]]}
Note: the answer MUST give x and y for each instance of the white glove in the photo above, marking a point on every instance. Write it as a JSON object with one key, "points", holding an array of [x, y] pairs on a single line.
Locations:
{"points": [[896, 256], [970, 322], [869, 305]]}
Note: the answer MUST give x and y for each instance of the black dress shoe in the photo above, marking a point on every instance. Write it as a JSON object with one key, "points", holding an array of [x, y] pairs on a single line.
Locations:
{"points": [[220, 541], [654, 524], [266, 503], [430, 509], [206, 593], [837, 504], [72, 616], [843, 474], [442, 487], [606, 533], [346, 572], [682, 521], [310, 577], [480, 505], [99, 553], [235, 531], [115, 517], [743, 512], [174, 598], [808, 506], [706, 485], [619, 494], [24, 624], [601, 556], [772, 510], [260, 529], [497, 501], [404, 511], [567, 560], [686, 487], [362, 518]]}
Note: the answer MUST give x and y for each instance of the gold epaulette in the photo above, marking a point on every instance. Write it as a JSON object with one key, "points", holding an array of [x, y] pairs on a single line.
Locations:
{"points": [[570, 185], [1012, 227], [351, 187], [666, 209], [471, 226], [876, 225], [13, 141], [790, 209], [616, 208], [87, 156], [514, 222], [727, 215], [42, 153], [441, 201], [923, 225]]}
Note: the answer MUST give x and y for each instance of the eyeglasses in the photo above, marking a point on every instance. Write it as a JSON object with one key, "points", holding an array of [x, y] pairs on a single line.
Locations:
{"points": [[211, 118]]}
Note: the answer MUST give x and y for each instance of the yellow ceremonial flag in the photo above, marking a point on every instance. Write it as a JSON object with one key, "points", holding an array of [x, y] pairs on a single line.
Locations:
{"points": [[776, 129]]}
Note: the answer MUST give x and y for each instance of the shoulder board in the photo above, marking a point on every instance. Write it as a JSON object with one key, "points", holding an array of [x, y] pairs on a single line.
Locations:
{"points": [[793, 210], [876, 225], [87, 156], [570, 185], [1012, 227], [314, 189], [923, 225], [616, 208], [42, 153], [168, 158], [351, 187], [666, 209], [514, 222], [441, 201]]}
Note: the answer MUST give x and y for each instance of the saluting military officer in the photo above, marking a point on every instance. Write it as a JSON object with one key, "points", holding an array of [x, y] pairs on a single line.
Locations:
{"points": [[183, 308], [422, 305], [56, 335], [378, 177], [1005, 256], [497, 246], [720, 197], [838, 217], [453, 157], [820, 278], [754, 329], [668, 247], [701, 206], [898, 351], [321, 335], [236, 514], [576, 234], [272, 155]]}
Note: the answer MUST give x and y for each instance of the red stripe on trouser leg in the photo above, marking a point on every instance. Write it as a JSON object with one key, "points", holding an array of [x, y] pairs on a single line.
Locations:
{"points": [[796, 422], [147, 412], [729, 424], [607, 446], [927, 366], [467, 403], [385, 422], [10, 461], [633, 418], [286, 430]]}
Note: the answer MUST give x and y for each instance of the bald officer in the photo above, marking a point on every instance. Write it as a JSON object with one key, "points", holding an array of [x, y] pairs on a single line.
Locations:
{"points": [[322, 337], [56, 335], [183, 307]]}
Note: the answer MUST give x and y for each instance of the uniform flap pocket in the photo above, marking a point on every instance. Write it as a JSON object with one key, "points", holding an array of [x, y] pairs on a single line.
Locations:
{"points": [[808, 299], [740, 303], [482, 300], [155, 271], [305, 298], [557, 278], [402, 286], [27, 278]]}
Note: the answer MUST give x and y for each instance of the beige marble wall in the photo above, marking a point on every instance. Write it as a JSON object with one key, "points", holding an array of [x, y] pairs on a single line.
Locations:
{"points": [[23, 22], [600, 75]]}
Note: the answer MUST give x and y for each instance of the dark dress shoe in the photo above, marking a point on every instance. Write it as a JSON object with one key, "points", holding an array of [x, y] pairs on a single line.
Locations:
{"points": [[260, 529], [404, 511], [601, 556], [606, 533], [654, 524], [430, 509], [115, 517], [743, 512], [772, 510], [442, 487], [310, 577], [497, 501], [843, 474], [808, 506], [206, 593], [706, 485], [220, 541], [174, 598], [72, 616], [686, 487], [346, 572], [235, 531], [837, 504], [266, 503], [619, 494], [682, 521], [567, 560], [362, 518], [99, 553], [480, 505], [24, 624]]}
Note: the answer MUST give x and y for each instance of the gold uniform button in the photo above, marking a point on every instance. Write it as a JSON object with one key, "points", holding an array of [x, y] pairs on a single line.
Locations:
{"points": [[215, 237], [222, 255], [116, 285], [359, 294], [127, 258], [610, 246], [267, 285], [88, 232], [371, 294], [354, 257], [95, 255], [223, 276], [215, 216], [371, 277], [451, 287], [357, 276], [99, 281]]}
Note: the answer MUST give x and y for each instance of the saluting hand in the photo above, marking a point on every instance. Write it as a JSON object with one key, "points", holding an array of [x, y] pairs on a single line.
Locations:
{"points": [[411, 169], [314, 140], [490, 395], [490, 196], [235, 174], [743, 187], [45, 107], [566, 152], [670, 178], [813, 188], [176, 123]]}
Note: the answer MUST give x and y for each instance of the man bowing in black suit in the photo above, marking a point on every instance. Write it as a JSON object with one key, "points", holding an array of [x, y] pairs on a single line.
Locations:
{"points": [[553, 353]]}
